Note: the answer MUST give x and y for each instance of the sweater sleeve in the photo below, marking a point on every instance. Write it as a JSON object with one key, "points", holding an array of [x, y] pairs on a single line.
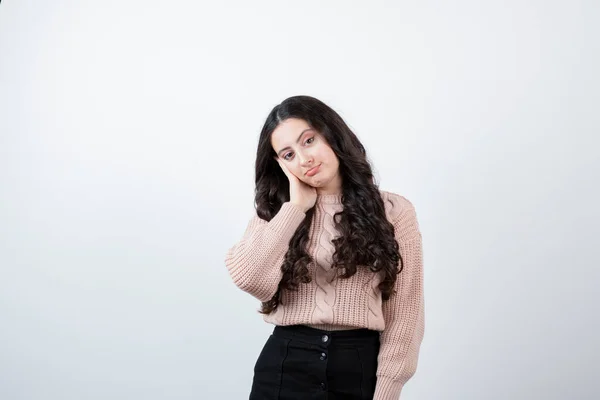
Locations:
{"points": [[254, 263], [403, 313]]}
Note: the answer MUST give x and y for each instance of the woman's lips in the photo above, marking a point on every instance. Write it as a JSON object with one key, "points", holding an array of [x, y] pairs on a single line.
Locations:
{"points": [[313, 171]]}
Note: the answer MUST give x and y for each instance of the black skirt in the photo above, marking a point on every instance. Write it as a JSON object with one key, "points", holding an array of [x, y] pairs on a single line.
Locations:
{"points": [[299, 362]]}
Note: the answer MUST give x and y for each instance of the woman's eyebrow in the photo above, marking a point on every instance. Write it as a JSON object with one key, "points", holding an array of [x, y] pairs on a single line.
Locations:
{"points": [[297, 140]]}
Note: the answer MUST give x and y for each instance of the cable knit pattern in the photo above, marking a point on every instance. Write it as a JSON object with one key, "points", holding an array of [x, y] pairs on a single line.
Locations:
{"points": [[370, 288], [329, 303], [324, 276]]}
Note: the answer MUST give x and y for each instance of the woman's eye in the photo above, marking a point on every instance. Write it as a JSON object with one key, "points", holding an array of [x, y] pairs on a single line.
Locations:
{"points": [[307, 141]]}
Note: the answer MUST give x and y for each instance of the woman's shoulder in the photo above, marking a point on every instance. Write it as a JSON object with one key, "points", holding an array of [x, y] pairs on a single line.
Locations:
{"points": [[397, 206]]}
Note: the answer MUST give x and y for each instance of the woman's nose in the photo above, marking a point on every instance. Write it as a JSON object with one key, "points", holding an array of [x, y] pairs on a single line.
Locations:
{"points": [[306, 161]]}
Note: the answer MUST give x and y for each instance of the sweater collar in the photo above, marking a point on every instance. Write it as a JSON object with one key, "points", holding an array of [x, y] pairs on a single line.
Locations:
{"points": [[329, 198]]}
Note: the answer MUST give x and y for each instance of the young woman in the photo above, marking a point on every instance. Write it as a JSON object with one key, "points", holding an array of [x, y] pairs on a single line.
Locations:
{"points": [[336, 263]]}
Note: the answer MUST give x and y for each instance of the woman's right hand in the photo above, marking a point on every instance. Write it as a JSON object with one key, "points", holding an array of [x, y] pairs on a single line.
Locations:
{"points": [[301, 194]]}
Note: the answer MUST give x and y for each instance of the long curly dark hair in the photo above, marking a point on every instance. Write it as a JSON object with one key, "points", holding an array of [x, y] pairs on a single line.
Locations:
{"points": [[367, 237]]}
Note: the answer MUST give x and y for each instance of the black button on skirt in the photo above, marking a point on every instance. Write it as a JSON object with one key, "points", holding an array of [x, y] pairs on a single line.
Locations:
{"points": [[303, 363]]}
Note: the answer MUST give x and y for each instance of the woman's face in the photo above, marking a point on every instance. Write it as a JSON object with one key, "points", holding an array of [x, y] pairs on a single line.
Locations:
{"points": [[302, 148]]}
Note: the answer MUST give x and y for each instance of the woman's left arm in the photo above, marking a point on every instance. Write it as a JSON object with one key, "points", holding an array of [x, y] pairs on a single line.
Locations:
{"points": [[403, 313]]}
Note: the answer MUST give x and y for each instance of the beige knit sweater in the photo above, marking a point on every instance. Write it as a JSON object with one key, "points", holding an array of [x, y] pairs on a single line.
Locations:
{"points": [[331, 303]]}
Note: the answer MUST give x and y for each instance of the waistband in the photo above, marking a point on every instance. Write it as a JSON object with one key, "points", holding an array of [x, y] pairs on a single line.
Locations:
{"points": [[322, 337]]}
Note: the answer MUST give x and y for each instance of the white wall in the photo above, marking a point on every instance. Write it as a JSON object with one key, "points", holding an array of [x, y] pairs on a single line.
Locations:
{"points": [[128, 131]]}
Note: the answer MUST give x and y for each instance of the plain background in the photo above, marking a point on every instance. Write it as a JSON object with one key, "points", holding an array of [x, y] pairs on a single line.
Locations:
{"points": [[128, 132]]}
